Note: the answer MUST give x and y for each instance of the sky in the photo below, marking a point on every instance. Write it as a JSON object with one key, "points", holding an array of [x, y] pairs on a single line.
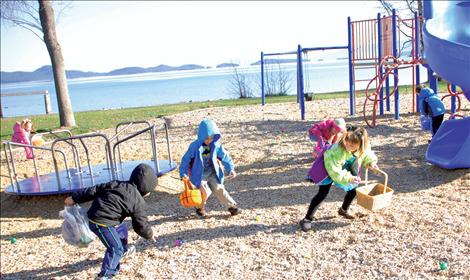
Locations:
{"points": [[102, 36]]}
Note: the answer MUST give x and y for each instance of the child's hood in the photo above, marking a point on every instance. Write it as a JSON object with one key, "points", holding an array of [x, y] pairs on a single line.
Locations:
{"points": [[426, 92], [208, 128], [144, 178], [17, 127]]}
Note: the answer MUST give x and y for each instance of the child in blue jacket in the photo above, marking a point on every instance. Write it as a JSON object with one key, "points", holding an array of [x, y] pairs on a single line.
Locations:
{"points": [[202, 161], [430, 104]]}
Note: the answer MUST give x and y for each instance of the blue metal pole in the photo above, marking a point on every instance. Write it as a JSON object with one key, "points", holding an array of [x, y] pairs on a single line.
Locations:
{"points": [[379, 39], [417, 82], [387, 92], [262, 80], [453, 99], [432, 80], [395, 53], [351, 78], [300, 96]]}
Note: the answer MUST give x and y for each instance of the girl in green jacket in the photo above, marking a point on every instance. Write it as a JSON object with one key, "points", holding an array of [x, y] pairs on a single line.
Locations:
{"points": [[342, 162]]}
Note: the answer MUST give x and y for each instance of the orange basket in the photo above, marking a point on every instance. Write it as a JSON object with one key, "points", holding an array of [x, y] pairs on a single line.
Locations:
{"points": [[374, 196]]}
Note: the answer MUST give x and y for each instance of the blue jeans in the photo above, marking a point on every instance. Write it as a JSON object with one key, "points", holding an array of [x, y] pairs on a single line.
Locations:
{"points": [[115, 241]]}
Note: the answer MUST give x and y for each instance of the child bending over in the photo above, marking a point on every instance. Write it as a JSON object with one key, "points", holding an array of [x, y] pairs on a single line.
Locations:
{"points": [[431, 105], [327, 131], [203, 163], [112, 203], [339, 160]]}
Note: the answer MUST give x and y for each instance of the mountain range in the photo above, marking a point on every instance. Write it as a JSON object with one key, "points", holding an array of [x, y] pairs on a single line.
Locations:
{"points": [[44, 73]]}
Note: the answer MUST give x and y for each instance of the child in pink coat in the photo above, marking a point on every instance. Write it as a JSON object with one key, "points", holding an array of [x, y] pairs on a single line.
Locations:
{"points": [[21, 132], [326, 132]]}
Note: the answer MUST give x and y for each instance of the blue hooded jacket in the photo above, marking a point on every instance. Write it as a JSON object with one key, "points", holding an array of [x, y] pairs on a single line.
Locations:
{"points": [[193, 160], [434, 104]]}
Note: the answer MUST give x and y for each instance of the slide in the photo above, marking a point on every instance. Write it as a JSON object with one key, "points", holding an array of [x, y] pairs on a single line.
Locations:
{"points": [[446, 41], [450, 147]]}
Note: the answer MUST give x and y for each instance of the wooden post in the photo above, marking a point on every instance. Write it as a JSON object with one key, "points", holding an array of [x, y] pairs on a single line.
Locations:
{"points": [[47, 102]]}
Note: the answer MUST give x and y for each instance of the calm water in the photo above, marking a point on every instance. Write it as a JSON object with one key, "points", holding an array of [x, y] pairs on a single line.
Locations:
{"points": [[171, 87]]}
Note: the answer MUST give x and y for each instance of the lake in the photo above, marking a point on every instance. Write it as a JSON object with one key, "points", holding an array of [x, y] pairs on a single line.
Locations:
{"points": [[137, 90]]}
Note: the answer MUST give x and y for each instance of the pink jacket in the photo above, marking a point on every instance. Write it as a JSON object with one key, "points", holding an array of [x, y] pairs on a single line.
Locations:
{"points": [[322, 131], [20, 135]]}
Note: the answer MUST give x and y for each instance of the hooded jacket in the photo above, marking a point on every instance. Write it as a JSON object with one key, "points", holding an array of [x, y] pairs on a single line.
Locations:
{"points": [[193, 160], [323, 131], [116, 200], [430, 103], [20, 135]]}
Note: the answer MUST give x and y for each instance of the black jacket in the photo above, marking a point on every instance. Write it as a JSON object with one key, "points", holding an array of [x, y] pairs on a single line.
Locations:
{"points": [[116, 200]]}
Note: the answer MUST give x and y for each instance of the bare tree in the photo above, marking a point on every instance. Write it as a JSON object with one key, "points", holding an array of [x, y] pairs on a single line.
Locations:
{"points": [[277, 79], [239, 83], [41, 19]]}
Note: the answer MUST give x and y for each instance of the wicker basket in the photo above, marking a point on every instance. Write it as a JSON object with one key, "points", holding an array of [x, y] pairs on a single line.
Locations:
{"points": [[374, 196]]}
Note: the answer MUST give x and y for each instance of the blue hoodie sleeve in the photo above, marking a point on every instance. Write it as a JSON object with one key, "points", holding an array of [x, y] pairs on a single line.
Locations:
{"points": [[186, 160], [225, 158]]}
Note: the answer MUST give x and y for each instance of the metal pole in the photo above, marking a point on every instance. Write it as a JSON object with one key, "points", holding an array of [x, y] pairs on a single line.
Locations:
{"points": [[395, 77], [379, 39], [417, 28], [262, 80], [453, 99], [300, 76], [8, 163], [351, 78]]}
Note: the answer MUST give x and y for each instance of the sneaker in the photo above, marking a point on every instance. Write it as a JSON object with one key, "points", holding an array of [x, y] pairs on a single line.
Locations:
{"points": [[201, 212], [306, 225], [130, 250], [104, 277], [345, 214], [234, 211]]}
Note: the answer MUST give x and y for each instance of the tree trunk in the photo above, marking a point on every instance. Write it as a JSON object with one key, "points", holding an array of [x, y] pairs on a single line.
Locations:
{"points": [[46, 15]]}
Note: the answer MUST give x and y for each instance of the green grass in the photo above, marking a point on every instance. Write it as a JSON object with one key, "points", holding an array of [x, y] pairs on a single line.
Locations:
{"points": [[96, 120]]}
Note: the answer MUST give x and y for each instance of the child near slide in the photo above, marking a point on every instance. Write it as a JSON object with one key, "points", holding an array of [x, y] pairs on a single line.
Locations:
{"points": [[203, 162], [431, 105], [342, 162]]}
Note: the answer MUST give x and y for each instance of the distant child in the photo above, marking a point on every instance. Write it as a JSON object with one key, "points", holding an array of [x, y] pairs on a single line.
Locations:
{"points": [[327, 132], [342, 163], [203, 163], [21, 133], [112, 203], [431, 105]]}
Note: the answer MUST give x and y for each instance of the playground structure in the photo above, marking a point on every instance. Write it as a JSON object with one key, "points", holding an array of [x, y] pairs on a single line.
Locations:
{"points": [[70, 179], [385, 45], [448, 54]]}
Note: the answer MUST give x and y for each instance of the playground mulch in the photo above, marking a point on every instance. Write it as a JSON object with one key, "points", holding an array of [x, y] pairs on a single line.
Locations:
{"points": [[427, 224]]}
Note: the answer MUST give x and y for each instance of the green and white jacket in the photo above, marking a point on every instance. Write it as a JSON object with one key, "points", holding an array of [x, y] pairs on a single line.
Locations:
{"points": [[336, 157]]}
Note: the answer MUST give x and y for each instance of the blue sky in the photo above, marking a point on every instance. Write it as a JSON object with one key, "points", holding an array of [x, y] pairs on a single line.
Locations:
{"points": [[106, 35]]}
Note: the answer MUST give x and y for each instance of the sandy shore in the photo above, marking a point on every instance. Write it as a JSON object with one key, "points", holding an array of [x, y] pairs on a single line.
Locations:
{"points": [[428, 220]]}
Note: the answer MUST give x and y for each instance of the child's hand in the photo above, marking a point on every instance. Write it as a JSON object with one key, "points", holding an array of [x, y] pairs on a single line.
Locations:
{"points": [[355, 180], [373, 166], [69, 201], [233, 174]]}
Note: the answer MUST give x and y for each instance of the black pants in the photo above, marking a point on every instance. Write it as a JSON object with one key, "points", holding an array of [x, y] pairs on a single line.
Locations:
{"points": [[436, 123], [320, 197]]}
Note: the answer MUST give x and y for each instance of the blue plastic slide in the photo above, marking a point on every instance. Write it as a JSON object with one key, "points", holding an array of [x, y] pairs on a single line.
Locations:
{"points": [[447, 50], [450, 146]]}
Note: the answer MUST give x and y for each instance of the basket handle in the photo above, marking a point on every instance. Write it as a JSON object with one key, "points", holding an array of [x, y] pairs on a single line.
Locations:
{"points": [[381, 171]]}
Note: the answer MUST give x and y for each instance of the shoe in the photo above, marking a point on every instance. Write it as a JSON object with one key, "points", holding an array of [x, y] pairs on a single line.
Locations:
{"points": [[234, 211], [104, 277], [345, 214], [201, 212], [130, 250], [306, 225]]}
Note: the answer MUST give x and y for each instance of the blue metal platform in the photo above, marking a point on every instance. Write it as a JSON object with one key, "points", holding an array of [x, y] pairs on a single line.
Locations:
{"points": [[48, 184]]}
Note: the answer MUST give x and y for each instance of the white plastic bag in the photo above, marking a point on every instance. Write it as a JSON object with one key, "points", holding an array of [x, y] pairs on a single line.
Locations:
{"points": [[75, 230]]}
